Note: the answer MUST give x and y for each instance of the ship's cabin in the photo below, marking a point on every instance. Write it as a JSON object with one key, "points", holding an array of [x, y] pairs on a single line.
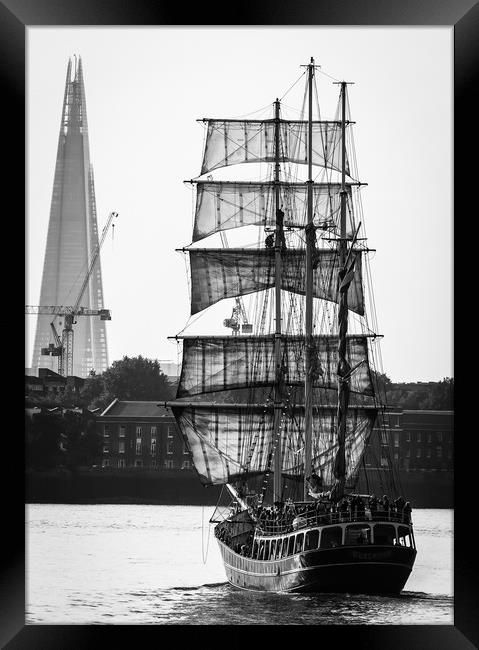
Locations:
{"points": [[355, 534]]}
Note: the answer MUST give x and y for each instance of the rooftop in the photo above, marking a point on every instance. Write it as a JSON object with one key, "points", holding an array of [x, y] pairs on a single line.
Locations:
{"points": [[135, 409]]}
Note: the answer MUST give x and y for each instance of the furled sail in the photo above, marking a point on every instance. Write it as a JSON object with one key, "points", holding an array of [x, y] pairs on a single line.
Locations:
{"points": [[225, 273], [228, 441], [226, 205], [230, 142], [222, 363]]}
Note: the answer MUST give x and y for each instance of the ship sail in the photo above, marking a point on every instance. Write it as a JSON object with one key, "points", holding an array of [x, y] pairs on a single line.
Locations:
{"points": [[213, 364], [225, 273], [226, 205], [229, 441], [230, 142]]}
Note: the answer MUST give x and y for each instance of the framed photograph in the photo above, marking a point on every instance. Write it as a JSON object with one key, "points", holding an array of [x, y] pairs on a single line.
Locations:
{"points": [[315, 145]]}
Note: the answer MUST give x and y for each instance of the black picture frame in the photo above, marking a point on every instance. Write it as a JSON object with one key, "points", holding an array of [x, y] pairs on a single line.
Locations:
{"points": [[15, 17]]}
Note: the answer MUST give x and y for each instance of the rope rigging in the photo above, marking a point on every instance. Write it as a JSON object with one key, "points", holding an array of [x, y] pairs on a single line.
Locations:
{"points": [[255, 447]]}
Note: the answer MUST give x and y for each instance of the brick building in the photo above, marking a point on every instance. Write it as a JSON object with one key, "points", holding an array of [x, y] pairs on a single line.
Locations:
{"points": [[141, 434], [144, 435], [415, 440]]}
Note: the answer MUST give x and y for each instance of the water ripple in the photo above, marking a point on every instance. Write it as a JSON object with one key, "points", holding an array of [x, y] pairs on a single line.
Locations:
{"points": [[120, 564]]}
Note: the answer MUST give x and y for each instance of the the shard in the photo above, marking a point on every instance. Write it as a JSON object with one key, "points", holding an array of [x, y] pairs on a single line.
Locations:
{"points": [[72, 238]]}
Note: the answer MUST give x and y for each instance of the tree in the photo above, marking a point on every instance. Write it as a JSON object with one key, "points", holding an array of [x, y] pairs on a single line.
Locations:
{"points": [[131, 378], [382, 384], [93, 387], [441, 398], [44, 438], [83, 443], [137, 378]]}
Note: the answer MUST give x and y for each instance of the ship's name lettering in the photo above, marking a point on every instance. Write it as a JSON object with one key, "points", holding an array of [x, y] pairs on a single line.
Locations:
{"points": [[371, 556]]}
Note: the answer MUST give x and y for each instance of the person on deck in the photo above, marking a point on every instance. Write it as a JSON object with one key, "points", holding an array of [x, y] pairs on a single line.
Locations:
{"points": [[386, 507], [400, 503], [373, 507], [360, 510], [343, 509]]}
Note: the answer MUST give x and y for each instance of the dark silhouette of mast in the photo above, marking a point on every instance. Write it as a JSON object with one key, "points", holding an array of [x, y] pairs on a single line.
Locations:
{"points": [[308, 323], [279, 241], [346, 267]]}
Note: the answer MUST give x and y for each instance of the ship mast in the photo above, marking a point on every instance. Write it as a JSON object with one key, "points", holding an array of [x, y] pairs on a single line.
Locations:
{"points": [[278, 245], [308, 325], [343, 365]]}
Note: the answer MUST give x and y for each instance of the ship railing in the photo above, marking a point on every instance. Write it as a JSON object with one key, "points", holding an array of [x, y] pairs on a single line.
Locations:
{"points": [[324, 519]]}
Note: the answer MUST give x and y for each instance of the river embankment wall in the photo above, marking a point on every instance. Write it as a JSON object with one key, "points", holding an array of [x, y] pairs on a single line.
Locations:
{"points": [[183, 487]]}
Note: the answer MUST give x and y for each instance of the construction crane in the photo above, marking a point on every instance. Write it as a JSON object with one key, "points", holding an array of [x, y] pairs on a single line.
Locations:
{"points": [[238, 319], [63, 348], [238, 316]]}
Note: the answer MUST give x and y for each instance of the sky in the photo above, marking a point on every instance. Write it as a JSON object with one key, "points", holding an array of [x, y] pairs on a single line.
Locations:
{"points": [[146, 87]]}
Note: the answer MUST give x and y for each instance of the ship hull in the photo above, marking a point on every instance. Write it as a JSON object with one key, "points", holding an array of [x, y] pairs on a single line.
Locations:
{"points": [[352, 569]]}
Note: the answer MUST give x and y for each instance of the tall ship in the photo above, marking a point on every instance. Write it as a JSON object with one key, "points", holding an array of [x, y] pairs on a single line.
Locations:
{"points": [[281, 410]]}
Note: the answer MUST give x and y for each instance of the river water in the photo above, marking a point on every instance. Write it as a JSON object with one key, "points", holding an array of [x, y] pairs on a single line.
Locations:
{"points": [[146, 564]]}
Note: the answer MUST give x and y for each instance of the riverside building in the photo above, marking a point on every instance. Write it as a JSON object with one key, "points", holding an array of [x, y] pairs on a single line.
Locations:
{"points": [[141, 434]]}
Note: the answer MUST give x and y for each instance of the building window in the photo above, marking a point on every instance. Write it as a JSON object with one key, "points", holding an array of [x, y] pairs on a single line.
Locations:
{"points": [[153, 431], [105, 462], [170, 447], [121, 447], [439, 436], [439, 452], [396, 455], [153, 447], [138, 445], [429, 453], [384, 437], [408, 453], [169, 464], [122, 431], [429, 437], [419, 437], [106, 431], [105, 449], [121, 462], [408, 437], [396, 439], [186, 464], [418, 453], [138, 431], [169, 431], [186, 451]]}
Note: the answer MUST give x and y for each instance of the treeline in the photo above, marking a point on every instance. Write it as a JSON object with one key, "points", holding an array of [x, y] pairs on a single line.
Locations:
{"points": [[64, 432], [61, 438], [131, 378], [430, 396]]}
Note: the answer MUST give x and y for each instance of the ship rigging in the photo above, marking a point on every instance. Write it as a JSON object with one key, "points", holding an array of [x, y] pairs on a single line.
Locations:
{"points": [[283, 415]]}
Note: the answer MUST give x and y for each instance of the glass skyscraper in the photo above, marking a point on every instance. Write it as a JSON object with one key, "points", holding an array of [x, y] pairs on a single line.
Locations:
{"points": [[72, 238]]}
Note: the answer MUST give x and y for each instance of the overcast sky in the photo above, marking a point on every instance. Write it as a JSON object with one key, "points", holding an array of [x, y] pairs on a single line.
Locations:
{"points": [[145, 88]]}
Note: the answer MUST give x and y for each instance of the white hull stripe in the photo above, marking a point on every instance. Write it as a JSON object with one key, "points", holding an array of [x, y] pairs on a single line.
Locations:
{"points": [[312, 568]]}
